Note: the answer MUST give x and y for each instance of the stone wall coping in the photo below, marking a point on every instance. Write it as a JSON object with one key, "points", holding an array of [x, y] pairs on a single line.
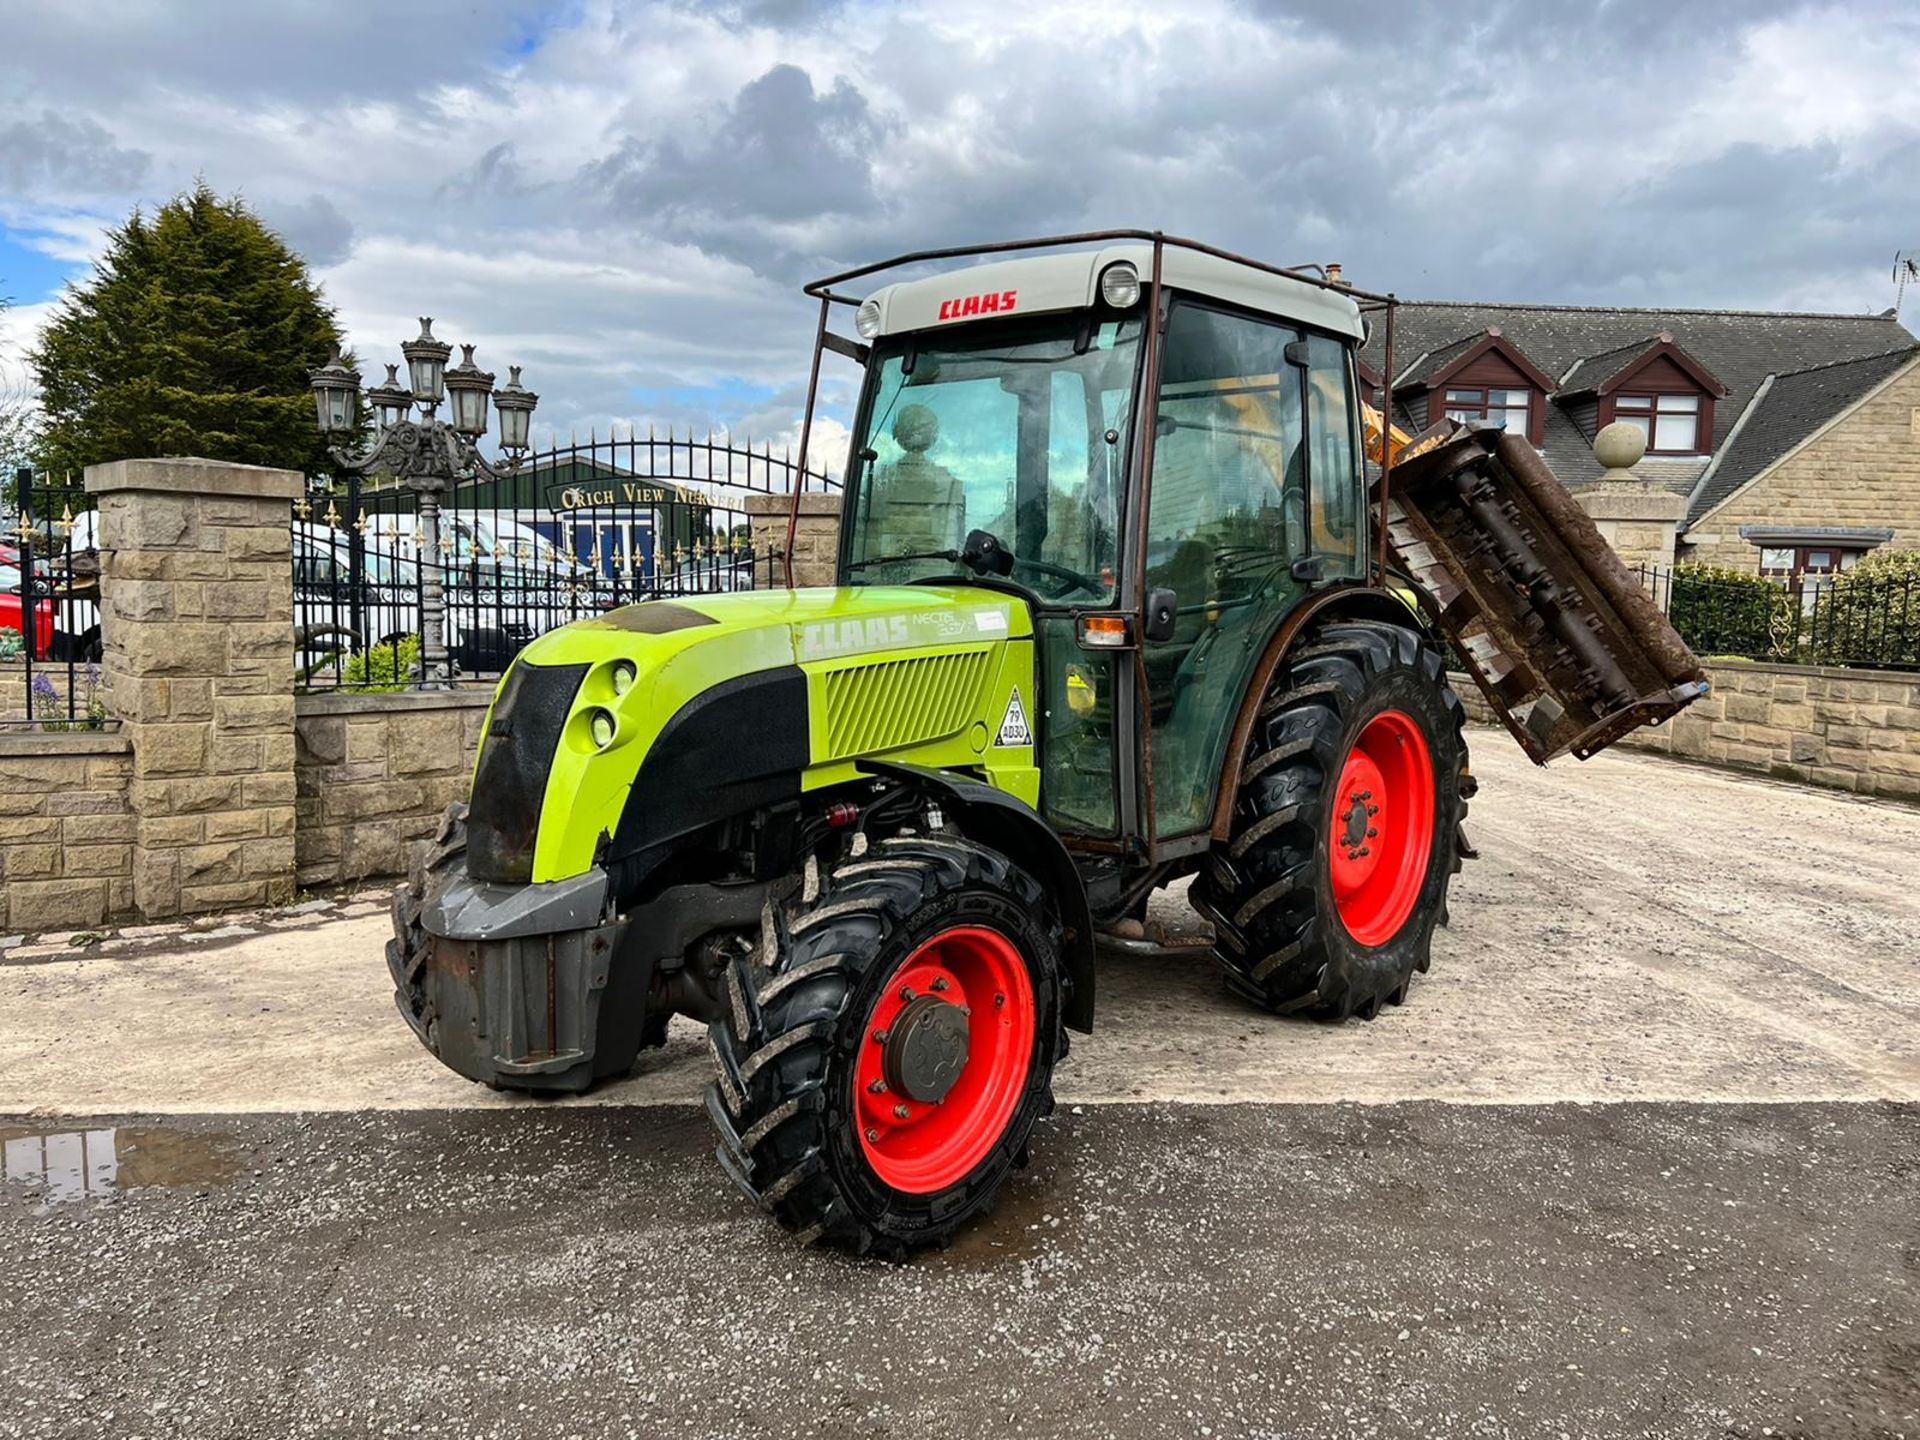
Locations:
{"points": [[1631, 502], [64, 742], [817, 503], [384, 703], [190, 475]]}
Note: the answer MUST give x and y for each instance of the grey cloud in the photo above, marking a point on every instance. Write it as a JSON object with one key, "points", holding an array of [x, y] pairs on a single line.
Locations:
{"points": [[780, 152], [313, 227], [54, 155], [291, 50]]}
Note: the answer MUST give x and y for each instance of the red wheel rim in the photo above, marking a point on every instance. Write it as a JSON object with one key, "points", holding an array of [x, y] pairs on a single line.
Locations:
{"points": [[937, 1144], [1382, 834]]}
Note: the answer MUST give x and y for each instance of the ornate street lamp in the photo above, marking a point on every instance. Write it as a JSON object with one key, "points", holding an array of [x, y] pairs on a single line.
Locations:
{"points": [[515, 403], [469, 386], [336, 386], [427, 366], [390, 401], [428, 455]]}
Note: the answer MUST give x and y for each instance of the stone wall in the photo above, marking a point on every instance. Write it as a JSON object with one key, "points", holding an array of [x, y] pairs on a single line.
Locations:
{"points": [[374, 775], [197, 627], [1864, 472], [66, 830], [816, 543], [1856, 730]]}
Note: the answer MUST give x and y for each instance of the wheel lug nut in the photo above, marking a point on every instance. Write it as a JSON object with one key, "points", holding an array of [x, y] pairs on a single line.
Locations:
{"points": [[879, 1037], [906, 992], [878, 1087], [900, 1112], [873, 1134], [1373, 809], [999, 1000], [1372, 834], [940, 984]]}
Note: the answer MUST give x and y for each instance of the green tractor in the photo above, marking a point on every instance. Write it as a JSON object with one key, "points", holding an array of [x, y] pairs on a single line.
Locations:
{"points": [[1119, 600]]}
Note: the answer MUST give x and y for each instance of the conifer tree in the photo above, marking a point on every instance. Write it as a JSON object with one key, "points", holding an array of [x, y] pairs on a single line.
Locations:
{"points": [[194, 337]]}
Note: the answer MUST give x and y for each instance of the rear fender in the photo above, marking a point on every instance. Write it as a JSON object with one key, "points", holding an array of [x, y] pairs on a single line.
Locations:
{"points": [[1014, 828]]}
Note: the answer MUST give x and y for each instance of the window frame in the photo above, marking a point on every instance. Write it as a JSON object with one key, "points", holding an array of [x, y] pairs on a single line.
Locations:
{"points": [[1481, 408], [1702, 413], [1803, 570]]}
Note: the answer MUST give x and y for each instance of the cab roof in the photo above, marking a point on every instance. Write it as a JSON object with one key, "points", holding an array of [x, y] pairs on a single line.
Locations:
{"points": [[1043, 284]]}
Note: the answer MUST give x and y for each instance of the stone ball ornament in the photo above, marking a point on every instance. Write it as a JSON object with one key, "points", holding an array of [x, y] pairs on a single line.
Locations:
{"points": [[1620, 446]]}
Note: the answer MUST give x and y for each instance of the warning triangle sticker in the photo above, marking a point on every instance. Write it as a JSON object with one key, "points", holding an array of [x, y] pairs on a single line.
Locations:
{"points": [[1013, 725]]}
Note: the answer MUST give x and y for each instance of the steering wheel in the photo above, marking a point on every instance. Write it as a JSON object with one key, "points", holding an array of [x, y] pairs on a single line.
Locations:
{"points": [[1062, 572]]}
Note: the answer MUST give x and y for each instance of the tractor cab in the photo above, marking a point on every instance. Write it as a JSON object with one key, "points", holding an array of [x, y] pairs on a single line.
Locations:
{"points": [[1001, 439]]}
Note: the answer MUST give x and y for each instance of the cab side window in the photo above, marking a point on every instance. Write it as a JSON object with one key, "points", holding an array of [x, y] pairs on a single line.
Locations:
{"points": [[1334, 519]]}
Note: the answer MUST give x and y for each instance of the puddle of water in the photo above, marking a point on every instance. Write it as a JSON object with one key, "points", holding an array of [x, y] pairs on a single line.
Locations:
{"points": [[68, 1165]]}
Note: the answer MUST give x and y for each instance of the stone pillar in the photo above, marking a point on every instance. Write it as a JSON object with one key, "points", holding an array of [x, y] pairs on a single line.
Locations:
{"points": [[816, 544], [1637, 518], [197, 627]]}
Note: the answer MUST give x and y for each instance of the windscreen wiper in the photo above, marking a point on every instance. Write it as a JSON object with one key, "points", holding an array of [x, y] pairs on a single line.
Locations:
{"points": [[952, 557]]}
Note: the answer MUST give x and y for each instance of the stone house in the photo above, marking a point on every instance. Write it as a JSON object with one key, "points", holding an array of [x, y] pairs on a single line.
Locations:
{"points": [[1777, 442]]}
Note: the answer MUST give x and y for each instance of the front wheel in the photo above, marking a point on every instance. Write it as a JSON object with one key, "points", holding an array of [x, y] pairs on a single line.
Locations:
{"points": [[890, 1045], [1343, 839]]}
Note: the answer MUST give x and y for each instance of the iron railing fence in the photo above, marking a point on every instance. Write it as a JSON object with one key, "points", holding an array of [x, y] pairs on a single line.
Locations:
{"points": [[575, 531], [1850, 619], [50, 609]]}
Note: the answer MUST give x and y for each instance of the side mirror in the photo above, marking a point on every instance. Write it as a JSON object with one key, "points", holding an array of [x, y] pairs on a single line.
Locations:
{"points": [[1157, 626], [985, 555]]}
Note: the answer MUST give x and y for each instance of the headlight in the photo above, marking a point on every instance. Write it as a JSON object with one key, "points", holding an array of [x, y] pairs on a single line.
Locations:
{"points": [[623, 676], [1120, 284], [867, 319], [601, 726]]}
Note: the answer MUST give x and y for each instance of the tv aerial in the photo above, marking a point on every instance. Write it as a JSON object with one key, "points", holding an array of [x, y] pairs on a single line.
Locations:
{"points": [[1906, 267]]}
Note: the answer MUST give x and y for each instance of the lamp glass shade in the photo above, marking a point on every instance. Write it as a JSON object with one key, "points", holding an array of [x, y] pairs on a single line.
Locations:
{"points": [[427, 364], [470, 410], [336, 389]]}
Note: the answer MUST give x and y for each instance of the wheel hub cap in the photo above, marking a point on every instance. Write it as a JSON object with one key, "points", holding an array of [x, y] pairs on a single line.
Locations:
{"points": [[1382, 827], [926, 1049], [947, 1048]]}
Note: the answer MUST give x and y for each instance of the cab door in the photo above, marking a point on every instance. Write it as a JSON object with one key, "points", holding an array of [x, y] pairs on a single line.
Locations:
{"points": [[1254, 469]]}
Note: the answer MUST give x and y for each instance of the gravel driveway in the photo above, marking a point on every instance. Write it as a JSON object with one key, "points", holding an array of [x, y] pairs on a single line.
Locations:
{"points": [[1639, 1158]]}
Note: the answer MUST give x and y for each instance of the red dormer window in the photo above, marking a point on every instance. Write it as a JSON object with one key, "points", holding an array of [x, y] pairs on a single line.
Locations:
{"points": [[1663, 392], [1484, 378]]}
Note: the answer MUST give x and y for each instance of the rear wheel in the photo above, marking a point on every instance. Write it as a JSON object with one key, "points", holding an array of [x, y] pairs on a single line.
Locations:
{"points": [[890, 1045], [1343, 839]]}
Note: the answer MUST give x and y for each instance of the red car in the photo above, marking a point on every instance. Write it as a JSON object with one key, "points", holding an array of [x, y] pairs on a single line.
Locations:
{"points": [[11, 613]]}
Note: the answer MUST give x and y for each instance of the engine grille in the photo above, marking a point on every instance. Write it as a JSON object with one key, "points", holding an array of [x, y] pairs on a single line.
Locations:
{"points": [[872, 708]]}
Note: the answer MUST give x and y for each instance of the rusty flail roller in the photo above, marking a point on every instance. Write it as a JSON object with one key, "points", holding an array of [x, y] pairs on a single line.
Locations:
{"points": [[1503, 557]]}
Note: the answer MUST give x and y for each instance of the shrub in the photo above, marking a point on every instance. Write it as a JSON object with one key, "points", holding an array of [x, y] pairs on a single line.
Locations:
{"points": [[383, 668], [1869, 615], [1721, 611], [12, 643]]}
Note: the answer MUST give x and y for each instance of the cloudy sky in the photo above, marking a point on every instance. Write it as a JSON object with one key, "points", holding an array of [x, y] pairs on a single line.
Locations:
{"points": [[623, 197]]}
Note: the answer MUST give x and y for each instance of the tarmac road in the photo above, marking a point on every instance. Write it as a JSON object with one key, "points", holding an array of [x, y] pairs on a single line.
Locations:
{"points": [[1642, 1157]]}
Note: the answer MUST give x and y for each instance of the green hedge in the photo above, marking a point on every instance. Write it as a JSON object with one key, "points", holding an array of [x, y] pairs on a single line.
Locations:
{"points": [[1869, 615], [1720, 611]]}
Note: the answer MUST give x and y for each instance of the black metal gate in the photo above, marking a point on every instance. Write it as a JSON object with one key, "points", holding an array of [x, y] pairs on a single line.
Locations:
{"points": [[576, 530]]}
